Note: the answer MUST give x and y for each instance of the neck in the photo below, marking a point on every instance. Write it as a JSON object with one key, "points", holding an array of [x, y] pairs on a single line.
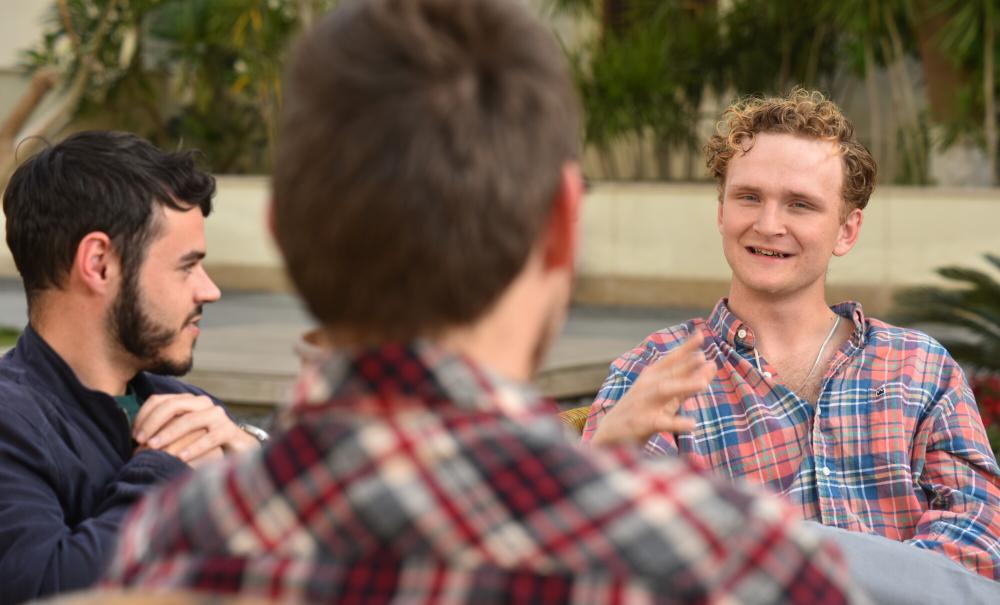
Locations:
{"points": [[81, 339], [511, 337], [781, 322]]}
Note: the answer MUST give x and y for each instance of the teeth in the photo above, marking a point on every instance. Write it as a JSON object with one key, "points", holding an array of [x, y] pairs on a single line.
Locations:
{"points": [[763, 252]]}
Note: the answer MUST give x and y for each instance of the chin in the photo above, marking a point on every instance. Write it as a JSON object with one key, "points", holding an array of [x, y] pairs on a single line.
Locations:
{"points": [[171, 365]]}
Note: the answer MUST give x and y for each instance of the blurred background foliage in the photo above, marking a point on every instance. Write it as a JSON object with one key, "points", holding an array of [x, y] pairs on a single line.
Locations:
{"points": [[924, 71], [918, 76], [969, 306], [204, 74]]}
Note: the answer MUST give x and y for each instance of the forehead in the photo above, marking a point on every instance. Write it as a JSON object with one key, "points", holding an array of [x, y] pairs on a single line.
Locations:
{"points": [[177, 232], [787, 162]]}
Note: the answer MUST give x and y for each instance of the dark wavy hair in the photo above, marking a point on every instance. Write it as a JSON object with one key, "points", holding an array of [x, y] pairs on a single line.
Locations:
{"points": [[95, 181]]}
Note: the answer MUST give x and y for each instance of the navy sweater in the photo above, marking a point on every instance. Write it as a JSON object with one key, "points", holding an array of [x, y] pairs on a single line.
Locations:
{"points": [[68, 473]]}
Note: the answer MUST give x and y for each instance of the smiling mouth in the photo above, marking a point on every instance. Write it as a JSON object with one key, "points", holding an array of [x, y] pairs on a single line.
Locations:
{"points": [[766, 252]]}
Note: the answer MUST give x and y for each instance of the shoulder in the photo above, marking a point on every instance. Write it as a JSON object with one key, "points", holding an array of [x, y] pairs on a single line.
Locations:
{"points": [[886, 339], [20, 392], [658, 344]]}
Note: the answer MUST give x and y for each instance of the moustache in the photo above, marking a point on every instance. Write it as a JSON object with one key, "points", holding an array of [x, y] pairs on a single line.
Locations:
{"points": [[194, 314]]}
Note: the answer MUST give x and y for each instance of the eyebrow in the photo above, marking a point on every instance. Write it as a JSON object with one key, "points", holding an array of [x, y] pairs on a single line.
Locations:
{"points": [[802, 194], [750, 188], [191, 257]]}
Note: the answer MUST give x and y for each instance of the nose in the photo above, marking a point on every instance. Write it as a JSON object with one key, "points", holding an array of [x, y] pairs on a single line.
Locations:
{"points": [[207, 291], [769, 221]]}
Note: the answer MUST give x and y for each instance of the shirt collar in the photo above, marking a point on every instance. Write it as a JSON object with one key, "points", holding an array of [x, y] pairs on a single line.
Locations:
{"points": [[419, 373], [733, 330]]}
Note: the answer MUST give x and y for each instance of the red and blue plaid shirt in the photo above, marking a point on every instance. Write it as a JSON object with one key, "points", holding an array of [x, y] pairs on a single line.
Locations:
{"points": [[407, 474], [894, 445]]}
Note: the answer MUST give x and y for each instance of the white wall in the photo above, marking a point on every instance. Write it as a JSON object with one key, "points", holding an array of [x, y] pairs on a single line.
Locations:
{"points": [[640, 230], [646, 235], [21, 26]]}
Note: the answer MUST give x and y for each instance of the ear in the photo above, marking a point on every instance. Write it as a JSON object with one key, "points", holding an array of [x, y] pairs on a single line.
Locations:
{"points": [[849, 231], [718, 216], [96, 264], [269, 219], [561, 235]]}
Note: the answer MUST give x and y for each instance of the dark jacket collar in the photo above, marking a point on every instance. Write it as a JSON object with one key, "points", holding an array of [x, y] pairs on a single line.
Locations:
{"points": [[46, 369]]}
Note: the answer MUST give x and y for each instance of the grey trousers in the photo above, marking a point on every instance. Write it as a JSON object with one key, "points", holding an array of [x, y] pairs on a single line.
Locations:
{"points": [[892, 572]]}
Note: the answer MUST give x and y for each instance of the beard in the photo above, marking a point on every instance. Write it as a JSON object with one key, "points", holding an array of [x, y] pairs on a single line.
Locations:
{"points": [[142, 336]]}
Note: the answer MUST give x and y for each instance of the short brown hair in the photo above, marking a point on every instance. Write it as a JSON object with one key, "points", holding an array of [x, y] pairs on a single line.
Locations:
{"points": [[421, 145], [805, 113]]}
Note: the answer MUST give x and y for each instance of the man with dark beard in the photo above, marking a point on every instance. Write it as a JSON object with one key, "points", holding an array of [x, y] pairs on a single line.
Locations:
{"points": [[107, 233]]}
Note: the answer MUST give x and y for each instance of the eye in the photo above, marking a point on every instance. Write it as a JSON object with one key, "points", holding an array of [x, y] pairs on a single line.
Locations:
{"points": [[746, 197], [800, 205]]}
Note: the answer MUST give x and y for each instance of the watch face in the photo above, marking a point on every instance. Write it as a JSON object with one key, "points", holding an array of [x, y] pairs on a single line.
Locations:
{"points": [[257, 433]]}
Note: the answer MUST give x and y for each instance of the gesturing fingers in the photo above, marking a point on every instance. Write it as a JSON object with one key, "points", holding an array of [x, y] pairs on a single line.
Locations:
{"points": [[651, 405], [678, 362]]}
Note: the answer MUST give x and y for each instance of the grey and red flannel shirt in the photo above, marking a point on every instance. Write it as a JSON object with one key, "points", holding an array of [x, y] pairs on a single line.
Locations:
{"points": [[894, 445], [408, 474]]}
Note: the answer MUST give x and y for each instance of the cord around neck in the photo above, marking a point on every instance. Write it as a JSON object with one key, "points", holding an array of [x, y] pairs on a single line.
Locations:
{"points": [[819, 355]]}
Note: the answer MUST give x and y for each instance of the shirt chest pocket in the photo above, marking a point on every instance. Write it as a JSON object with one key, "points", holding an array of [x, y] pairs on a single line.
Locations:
{"points": [[886, 432]]}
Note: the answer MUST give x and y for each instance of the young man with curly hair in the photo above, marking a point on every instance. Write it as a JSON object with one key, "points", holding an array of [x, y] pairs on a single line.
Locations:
{"points": [[861, 425]]}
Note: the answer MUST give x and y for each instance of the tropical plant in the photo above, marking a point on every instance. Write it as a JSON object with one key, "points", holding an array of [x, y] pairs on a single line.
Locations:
{"points": [[974, 308], [644, 78], [202, 73], [969, 38]]}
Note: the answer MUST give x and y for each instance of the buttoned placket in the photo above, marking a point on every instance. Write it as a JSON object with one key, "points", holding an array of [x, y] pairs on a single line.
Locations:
{"points": [[828, 486], [823, 459]]}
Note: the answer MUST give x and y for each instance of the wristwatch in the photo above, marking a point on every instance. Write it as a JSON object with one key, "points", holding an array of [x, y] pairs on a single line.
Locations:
{"points": [[255, 431]]}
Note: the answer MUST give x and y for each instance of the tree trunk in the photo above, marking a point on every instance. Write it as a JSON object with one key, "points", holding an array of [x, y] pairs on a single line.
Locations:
{"points": [[941, 75], [905, 95], [989, 92], [874, 104]]}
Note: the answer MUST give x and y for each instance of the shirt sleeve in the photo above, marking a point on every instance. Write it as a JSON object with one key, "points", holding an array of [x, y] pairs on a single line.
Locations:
{"points": [[42, 550], [961, 480]]}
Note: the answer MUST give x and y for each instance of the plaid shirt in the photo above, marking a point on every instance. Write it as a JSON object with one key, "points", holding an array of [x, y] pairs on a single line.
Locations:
{"points": [[405, 474], [894, 445]]}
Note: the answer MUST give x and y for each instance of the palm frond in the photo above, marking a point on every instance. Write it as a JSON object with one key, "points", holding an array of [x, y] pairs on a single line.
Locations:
{"points": [[974, 306]]}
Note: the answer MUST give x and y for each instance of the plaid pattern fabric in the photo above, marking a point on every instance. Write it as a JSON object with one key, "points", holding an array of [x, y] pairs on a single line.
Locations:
{"points": [[894, 446], [406, 474]]}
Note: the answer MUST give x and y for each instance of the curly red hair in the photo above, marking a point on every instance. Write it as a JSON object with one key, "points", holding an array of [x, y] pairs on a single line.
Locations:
{"points": [[805, 113]]}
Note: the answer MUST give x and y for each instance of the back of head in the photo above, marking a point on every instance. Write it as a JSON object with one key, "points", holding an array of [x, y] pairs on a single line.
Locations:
{"points": [[109, 182], [802, 113], [421, 144]]}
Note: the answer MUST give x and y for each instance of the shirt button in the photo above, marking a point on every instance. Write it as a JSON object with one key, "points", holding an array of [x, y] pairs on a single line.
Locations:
{"points": [[767, 374], [826, 472], [741, 333]]}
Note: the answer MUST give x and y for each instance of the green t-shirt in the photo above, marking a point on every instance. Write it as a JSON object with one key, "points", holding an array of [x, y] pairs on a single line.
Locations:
{"points": [[129, 402]]}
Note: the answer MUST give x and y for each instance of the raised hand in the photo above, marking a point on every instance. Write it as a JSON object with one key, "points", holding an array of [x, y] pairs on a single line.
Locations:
{"points": [[650, 405]]}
